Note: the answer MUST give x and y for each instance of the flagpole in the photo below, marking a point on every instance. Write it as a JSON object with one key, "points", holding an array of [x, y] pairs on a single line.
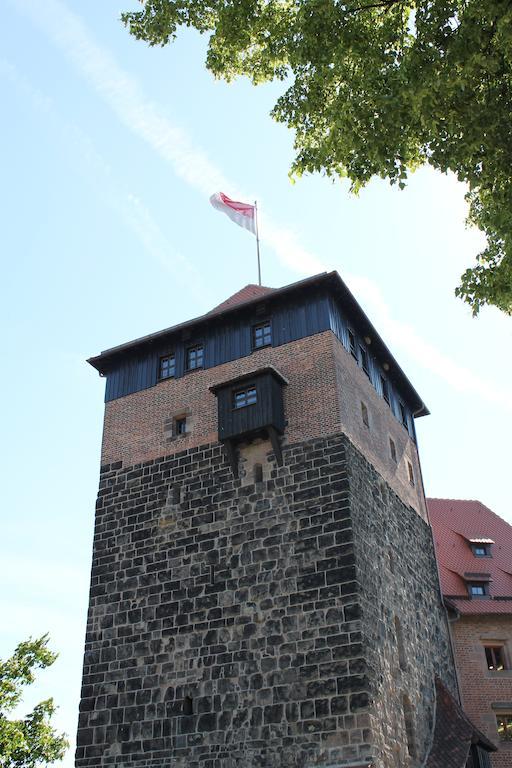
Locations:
{"points": [[257, 240]]}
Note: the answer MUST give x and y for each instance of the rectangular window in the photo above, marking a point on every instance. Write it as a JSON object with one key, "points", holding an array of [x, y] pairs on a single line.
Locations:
{"points": [[244, 397], [352, 344], [180, 426], [364, 360], [504, 725], [495, 657], [364, 415], [262, 335], [167, 367], [477, 589], [403, 416], [410, 472], [385, 389], [481, 550], [195, 357], [392, 450]]}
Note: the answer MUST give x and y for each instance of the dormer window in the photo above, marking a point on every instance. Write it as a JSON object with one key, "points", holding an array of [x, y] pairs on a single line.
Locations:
{"points": [[167, 369], [262, 335], [481, 547], [478, 588], [481, 550]]}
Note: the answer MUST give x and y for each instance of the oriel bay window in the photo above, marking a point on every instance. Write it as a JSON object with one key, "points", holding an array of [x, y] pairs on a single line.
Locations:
{"points": [[251, 407]]}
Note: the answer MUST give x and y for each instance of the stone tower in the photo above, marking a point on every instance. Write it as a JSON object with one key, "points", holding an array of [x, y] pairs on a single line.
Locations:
{"points": [[264, 590]]}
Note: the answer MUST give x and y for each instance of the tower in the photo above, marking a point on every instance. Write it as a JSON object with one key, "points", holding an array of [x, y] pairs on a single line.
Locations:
{"points": [[264, 590]]}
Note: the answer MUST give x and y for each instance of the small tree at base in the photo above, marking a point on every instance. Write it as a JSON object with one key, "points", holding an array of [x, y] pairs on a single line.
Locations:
{"points": [[31, 741]]}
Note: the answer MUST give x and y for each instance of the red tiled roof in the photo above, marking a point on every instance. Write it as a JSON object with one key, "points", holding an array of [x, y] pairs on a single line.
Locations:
{"points": [[453, 733], [248, 293], [454, 523]]}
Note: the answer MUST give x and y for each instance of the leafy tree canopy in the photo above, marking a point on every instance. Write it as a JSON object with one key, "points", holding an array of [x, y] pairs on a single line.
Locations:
{"points": [[378, 88], [29, 742]]}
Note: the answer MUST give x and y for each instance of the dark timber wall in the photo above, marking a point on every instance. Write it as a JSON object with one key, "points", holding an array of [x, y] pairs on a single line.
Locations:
{"points": [[235, 626], [225, 340]]}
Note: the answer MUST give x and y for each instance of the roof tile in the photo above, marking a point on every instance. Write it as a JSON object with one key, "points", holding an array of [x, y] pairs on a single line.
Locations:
{"points": [[455, 522], [248, 293]]}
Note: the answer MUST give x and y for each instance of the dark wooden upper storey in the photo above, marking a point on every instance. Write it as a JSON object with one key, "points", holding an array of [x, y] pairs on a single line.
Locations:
{"points": [[302, 309]]}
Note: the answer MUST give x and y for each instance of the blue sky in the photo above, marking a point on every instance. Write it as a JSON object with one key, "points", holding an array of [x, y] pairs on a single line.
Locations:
{"points": [[110, 151]]}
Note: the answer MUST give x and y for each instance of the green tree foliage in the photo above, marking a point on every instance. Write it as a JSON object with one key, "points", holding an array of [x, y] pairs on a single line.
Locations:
{"points": [[378, 88], [29, 742]]}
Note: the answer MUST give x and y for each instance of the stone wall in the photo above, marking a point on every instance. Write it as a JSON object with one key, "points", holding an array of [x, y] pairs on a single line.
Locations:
{"points": [[404, 624], [234, 623]]}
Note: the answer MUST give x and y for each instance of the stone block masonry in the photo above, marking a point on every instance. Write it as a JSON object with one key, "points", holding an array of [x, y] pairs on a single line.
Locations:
{"points": [[236, 624]]}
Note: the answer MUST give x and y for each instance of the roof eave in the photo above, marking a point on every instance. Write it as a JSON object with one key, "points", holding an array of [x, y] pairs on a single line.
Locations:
{"points": [[331, 279]]}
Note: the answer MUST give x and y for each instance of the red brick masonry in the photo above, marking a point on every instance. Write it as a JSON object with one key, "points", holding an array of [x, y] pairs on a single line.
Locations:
{"points": [[324, 397]]}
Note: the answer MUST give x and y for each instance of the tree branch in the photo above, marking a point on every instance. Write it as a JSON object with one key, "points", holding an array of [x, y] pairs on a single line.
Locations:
{"points": [[385, 4]]}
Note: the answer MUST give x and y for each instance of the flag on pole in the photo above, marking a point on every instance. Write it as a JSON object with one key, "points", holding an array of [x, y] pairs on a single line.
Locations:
{"points": [[242, 214]]}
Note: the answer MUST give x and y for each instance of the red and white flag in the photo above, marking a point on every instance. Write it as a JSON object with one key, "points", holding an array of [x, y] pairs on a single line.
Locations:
{"points": [[242, 214]]}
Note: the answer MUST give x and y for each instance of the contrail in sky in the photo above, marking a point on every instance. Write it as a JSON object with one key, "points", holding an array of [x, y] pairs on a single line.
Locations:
{"points": [[145, 119]]}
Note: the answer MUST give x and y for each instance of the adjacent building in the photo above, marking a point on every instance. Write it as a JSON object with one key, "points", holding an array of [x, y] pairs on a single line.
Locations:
{"points": [[474, 550], [264, 591]]}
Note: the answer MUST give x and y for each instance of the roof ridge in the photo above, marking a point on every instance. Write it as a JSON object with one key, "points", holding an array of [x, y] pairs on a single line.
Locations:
{"points": [[242, 296]]}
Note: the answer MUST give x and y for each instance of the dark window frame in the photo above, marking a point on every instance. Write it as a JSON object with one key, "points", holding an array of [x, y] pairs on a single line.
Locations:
{"points": [[384, 384], [267, 338], [495, 657], [507, 716], [392, 450], [483, 585], [180, 426], [365, 416], [404, 421], [364, 359], [245, 391], [352, 344], [410, 473], [194, 349], [485, 547], [161, 360]]}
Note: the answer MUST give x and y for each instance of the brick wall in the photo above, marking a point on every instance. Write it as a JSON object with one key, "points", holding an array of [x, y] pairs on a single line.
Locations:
{"points": [[480, 688], [323, 397], [264, 603]]}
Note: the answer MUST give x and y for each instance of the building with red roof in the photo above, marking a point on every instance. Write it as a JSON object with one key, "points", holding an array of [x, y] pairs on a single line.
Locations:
{"points": [[474, 552]]}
